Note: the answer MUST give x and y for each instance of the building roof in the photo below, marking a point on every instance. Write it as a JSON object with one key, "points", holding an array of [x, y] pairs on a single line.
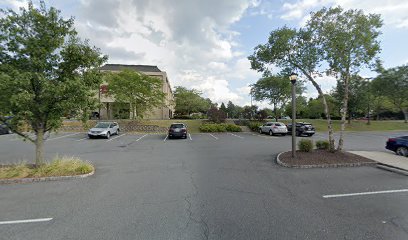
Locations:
{"points": [[139, 68]]}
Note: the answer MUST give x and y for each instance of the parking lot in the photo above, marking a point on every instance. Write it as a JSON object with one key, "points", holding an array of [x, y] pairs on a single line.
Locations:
{"points": [[208, 186]]}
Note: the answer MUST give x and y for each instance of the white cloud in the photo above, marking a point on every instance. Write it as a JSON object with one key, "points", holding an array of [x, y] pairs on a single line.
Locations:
{"points": [[394, 12]]}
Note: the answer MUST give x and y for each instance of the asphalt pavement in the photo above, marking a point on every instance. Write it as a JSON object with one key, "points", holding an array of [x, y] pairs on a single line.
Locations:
{"points": [[208, 186]]}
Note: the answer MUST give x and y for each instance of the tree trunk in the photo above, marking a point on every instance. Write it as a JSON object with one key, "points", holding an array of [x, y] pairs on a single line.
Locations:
{"points": [[343, 113], [405, 112], [326, 110], [275, 111], [39, 147]]}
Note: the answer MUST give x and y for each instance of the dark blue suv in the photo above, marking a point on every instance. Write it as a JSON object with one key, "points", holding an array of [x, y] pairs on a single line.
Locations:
{"points": [[399, 145]]}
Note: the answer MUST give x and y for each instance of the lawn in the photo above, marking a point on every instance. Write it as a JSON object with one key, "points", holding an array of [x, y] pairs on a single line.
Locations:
{"points": [[356, 125]]}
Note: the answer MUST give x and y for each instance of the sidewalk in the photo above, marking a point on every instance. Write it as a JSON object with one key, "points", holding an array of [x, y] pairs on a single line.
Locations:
{"points": [[386, 159]]}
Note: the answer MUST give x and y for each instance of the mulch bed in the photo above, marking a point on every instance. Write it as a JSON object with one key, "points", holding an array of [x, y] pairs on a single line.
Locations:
{"points": [[323, 158]]}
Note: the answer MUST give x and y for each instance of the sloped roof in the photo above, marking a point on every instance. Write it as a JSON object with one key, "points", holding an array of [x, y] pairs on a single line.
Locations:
{"points": [[139, 68]]}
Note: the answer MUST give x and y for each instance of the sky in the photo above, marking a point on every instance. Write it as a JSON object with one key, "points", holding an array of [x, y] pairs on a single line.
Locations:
{"points": [[204, 44]]}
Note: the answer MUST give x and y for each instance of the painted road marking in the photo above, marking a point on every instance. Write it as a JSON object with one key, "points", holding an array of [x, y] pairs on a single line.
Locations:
{"points": [[78, 140], [235, 135], [213, 136], [189, 135], [137, 140], [116, 137], [72, 134], [26, 221], [262, 136], [364, 193], [165, 138]]}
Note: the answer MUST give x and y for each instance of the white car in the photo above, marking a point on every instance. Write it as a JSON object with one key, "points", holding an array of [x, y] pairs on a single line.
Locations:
{"points": [[273, 128], [104, 129]]}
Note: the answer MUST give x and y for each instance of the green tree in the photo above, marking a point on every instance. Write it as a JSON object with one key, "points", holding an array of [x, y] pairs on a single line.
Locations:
{"points": [[315, 107], [140, 91], [293, 49], [359, 96], [301, 107], [231, 110], [349, 40], [45, 71], [190, 101], [393, 84], [275, 89], [223, 108]]}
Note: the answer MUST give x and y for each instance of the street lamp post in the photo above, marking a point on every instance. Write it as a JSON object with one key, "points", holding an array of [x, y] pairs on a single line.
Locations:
{"points": [[292, 78]]}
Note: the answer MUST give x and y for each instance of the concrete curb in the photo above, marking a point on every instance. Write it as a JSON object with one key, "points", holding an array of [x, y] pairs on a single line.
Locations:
{"points": [[323, 165], [44, 179], [392, 169]]}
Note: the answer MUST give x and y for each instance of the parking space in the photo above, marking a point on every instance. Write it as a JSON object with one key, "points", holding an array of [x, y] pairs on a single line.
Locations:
{"points": [[225, 185]]}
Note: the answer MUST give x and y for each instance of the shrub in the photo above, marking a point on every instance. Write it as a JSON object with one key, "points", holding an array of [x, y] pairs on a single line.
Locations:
{"points": [[322, 144], [233, 128], [254, 126], [305, 145]]}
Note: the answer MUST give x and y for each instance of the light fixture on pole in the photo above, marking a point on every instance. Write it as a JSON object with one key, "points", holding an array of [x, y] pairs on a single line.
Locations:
{"points": [[293, 78]]}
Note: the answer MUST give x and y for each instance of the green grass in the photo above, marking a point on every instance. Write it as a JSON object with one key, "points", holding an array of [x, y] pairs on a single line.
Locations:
{"points": [[59, 166], [356, 125]]}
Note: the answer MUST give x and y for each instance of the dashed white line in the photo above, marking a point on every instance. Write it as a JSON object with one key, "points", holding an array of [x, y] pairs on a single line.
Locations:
{"points": [[26, 221], [189, 135], [213, 136], [137, 140], [165, 138], [72, 134], [364, 193], [116, 137], [235, 135]]}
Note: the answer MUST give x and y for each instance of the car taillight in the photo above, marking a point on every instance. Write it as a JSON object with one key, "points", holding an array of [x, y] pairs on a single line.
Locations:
{"points": [[183, 130], [275, 127], [391, 140], [170, 130]]}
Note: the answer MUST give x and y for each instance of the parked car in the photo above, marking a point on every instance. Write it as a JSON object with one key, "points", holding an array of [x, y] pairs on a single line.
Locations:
{"points": [[273, 128], [177, 130], [3, 127], [302, 128], [104, 129], [399, 145]]}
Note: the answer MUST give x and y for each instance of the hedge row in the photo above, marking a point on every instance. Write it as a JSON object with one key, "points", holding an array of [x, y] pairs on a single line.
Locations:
{"points": [[222, 127]]}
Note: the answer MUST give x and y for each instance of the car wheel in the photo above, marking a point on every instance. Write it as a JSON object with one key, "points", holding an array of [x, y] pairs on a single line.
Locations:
{"points": [[402, 151], [260, 131], [283, 134], [270, 133], [108, 135], [298, 133]]}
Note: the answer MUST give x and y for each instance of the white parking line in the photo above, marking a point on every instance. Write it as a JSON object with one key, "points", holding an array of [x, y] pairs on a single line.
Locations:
{"points": [[165, 138], [189, 135], [26, 221], [81, 139], [72, 134], [213, 136], [364, 193], [116, 137], [235, 135], [137, 140]]}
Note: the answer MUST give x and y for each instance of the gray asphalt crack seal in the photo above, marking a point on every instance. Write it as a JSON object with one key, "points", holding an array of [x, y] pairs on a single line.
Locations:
{"points": [[201, 222]]}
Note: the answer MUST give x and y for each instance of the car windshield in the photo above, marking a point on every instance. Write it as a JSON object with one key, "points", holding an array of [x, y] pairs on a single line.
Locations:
{"points": [[102, 125], [278, 124], [177, 126]]}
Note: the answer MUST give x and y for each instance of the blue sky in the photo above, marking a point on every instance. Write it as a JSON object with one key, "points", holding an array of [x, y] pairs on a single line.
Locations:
{"points": [[205, 44]]}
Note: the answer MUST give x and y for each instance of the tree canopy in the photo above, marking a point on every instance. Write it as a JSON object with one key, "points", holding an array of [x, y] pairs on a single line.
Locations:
{"points": [[45, 71], [141, 91], [190, 101]]}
